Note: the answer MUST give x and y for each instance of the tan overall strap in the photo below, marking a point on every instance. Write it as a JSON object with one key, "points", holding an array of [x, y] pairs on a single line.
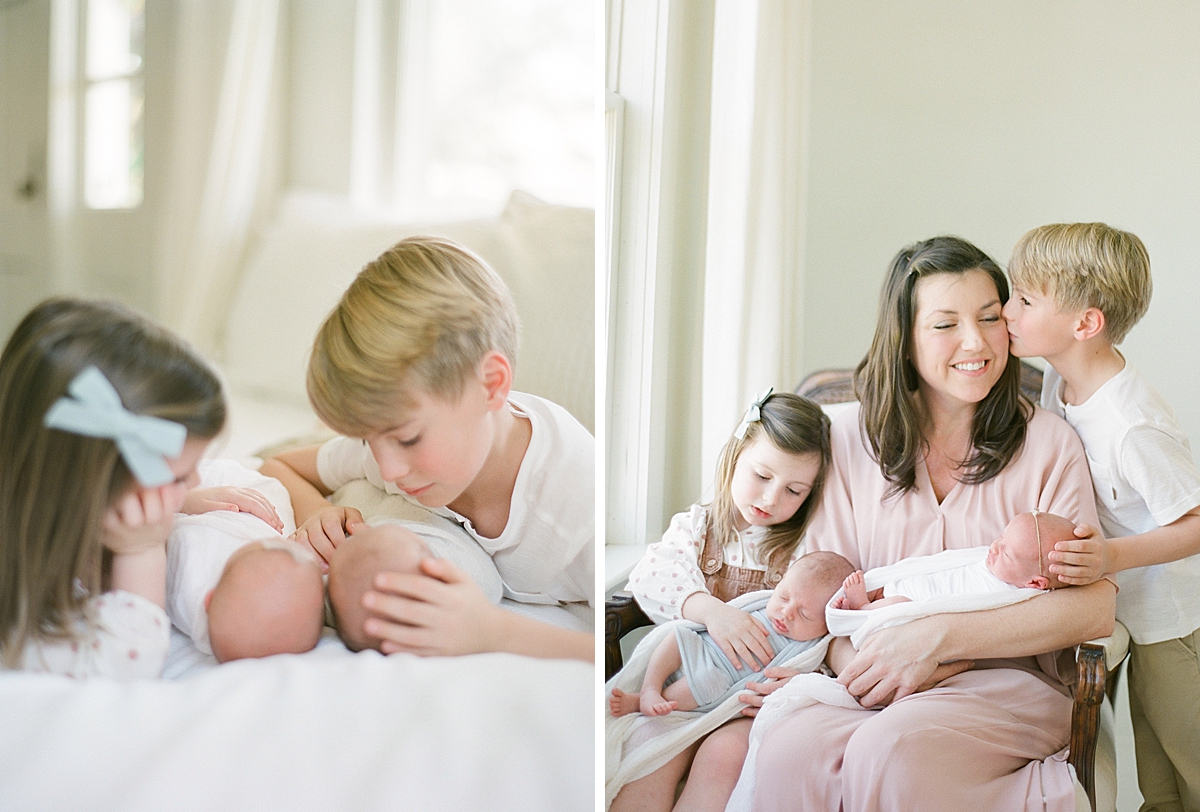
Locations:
{"points": [[725, 581]]}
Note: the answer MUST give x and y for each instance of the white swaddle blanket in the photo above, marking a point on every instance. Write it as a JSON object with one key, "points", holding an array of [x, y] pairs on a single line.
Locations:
{"points": [[199, 545], [859, 624], [637, 745]]}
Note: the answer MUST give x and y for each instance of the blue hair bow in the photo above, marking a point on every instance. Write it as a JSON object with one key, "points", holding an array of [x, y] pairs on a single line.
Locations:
{"points": [[754, 413], [94, 409]]}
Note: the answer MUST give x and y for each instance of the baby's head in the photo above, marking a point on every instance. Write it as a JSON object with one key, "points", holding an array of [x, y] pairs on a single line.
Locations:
{"points": [[419, 319], [797, 607], [270, 600], [352, 571], [1018, 557]]}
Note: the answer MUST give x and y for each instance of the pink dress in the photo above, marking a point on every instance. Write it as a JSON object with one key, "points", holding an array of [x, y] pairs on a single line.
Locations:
{"points": [[992, 738]]}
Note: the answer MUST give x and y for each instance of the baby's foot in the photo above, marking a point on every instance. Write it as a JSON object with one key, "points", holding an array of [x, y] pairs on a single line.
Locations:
{"points": [[621, 703], [856, 591], [653, 703]]}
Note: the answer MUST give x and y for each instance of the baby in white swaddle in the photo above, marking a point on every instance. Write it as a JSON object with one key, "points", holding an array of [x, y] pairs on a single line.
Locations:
{"points": [[1016, 559], [234, 585]]}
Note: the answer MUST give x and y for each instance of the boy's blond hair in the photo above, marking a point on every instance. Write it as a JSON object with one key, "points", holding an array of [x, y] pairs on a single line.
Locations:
{"points": [[1087, 265], [422, 315]]}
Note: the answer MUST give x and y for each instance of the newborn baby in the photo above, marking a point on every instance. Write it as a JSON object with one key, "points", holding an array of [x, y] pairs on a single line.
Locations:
{"points": [[1016, 559], [689, 671], [392, 547], [270, 600], [217, 562]]}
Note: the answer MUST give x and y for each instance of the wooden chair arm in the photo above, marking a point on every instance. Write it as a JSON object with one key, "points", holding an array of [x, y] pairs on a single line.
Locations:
{"points": [[1085, 715], [621, 616], [1094, 661]]}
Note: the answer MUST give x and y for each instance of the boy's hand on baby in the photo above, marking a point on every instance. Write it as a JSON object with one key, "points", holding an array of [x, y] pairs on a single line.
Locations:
{"points": [[741, 637], [238, 500], [142, 519], [442, 612], [1083, 560], [774, 678], [326, 529]]}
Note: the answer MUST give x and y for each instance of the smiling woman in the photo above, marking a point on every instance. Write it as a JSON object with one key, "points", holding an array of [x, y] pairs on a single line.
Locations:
{"points": [[941, 453]]}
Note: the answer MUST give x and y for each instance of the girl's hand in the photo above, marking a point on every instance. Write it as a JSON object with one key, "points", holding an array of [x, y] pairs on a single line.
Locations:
{"points": [[1083, 560], [324, 530], [440, 612], [901, 662], [142, 519], [741, 637], [238, 500], [776, 678]]}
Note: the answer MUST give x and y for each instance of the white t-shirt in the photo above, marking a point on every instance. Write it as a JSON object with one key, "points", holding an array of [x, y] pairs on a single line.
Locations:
{"points": [[546, 553], [1144, 478]]}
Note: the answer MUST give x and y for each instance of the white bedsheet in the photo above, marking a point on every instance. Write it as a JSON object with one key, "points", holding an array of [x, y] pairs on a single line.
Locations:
{"points": [[325, 730]]}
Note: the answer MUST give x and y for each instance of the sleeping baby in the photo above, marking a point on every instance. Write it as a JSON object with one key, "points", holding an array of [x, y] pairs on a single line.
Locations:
{"points": [[697, 673], [388, 546], [1015, 560], [234, 585], [238, 588]]}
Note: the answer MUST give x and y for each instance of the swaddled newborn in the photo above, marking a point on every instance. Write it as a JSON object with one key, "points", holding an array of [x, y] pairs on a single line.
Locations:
{"points": [[234, 585], [270, 600]]}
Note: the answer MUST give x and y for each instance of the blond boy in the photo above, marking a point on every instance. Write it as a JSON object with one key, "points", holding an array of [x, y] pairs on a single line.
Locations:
{"points": [[1077, 290], [415, 367]]}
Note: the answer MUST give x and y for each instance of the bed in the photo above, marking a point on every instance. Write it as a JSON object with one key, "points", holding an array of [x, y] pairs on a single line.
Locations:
{"points": [[332, 730]]}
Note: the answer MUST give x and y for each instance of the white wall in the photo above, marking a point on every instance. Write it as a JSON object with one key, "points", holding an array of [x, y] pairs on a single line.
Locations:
{"points": [[987, 119]]}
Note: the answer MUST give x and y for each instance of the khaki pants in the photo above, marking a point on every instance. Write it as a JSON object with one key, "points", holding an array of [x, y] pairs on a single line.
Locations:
{"points": [[1164, 703]]}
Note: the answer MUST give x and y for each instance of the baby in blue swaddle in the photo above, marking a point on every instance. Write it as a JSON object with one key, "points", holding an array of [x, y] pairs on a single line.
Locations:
{"points": [[689, 671]]}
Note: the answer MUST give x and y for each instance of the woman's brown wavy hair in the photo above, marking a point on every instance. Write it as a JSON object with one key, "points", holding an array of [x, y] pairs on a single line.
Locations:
{"points": [[886, 379]]}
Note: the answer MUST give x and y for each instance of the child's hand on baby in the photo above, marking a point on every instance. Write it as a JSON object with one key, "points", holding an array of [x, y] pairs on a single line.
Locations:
{"points": [[142, 519], [238, 500], [442, 612], [324, 530], [1082, 560], [741, 637]]}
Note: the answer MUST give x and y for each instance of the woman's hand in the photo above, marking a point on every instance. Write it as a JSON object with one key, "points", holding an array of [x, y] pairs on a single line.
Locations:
{"points": [[776, 678], [1083, 560], [325, 529], [238, 500], [439, 611], [142, 519], [899, 661], [741, 637]]}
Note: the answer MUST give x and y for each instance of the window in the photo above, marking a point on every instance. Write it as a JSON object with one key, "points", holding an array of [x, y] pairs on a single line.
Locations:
{"points": [[113, 98]]}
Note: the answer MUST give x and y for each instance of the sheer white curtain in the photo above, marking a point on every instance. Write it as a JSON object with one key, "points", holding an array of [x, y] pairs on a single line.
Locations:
{"points": [[224, 160], [755, 236]]}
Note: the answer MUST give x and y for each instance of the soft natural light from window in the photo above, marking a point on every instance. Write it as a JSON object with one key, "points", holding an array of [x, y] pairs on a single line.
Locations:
{"points": [[113, 104], [511, 102]]}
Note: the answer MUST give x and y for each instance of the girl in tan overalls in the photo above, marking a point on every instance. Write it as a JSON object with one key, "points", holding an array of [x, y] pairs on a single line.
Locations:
{"points": [[768, 483]]}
